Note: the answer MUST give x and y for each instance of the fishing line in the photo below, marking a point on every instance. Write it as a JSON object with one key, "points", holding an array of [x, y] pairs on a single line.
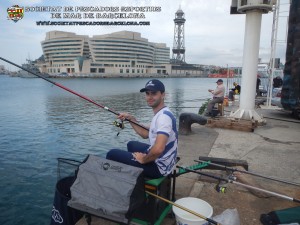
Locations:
{"points": [[73, 92]]}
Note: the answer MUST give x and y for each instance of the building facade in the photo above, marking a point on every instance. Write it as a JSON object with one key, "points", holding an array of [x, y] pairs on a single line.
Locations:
{"points": [[63, 51], [122, 53]]}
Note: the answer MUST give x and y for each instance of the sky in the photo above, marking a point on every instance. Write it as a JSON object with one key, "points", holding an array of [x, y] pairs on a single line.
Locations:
{"points": [[212, 36]]}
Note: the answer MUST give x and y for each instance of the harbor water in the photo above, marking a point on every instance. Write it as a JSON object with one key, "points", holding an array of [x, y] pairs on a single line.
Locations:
{"points": [[40, 122]]}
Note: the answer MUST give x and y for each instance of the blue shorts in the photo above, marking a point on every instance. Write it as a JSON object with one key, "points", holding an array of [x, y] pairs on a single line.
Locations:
{"points": [[126, 157]]}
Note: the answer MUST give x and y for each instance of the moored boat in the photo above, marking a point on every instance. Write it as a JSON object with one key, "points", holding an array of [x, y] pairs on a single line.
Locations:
{"points": [[30, 65]]}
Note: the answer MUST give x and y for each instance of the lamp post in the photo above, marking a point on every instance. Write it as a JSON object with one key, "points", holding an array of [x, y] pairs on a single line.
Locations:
{"points": [[253, 10]]}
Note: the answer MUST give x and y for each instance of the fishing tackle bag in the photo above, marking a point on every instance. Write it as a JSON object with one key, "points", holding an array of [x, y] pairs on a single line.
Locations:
{"points": [[283, 216], [108, 189]]}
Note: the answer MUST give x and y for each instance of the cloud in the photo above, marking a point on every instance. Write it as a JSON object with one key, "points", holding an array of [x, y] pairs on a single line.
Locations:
{"points": [[212, 35]]}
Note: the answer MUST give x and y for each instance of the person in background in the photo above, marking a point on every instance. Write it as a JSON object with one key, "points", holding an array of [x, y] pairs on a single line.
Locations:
{"points": [[218, 97], [159, 157], [234, 91], [258, 82], [277, 82]]}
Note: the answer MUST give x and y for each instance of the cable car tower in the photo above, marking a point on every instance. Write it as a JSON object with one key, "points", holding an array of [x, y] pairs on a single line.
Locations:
{"points": [[178, 43]]}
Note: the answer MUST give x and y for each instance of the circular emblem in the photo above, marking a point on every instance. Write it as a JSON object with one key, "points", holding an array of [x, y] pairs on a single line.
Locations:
{"points": [[106, 166]]}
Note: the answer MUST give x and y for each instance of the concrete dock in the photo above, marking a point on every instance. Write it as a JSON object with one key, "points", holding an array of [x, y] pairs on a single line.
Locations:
{"points": [[272, 149]]}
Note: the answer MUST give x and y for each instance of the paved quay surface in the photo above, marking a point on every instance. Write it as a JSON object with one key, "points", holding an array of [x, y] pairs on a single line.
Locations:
{"points": [[272, 150]]}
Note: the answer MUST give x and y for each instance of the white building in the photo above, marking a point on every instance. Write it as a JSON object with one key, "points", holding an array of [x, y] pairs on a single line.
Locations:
{"points": [[122, 53], [63, 50]]}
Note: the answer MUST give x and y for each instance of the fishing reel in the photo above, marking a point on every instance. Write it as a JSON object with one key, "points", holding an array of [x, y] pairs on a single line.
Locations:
{"points": [[119, 125], [232, 177], [221, 187]]}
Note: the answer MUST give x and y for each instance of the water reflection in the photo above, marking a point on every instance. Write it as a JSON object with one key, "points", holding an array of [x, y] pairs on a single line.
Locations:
{"points": [[40, 122]]}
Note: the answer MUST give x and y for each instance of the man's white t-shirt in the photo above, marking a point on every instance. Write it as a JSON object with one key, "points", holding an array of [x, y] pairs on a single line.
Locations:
{"points": [[164, 122]]}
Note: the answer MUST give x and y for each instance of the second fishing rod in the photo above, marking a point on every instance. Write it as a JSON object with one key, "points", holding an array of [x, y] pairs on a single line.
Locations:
{"points": [[73, 92], [232, 181], [247, 172]]}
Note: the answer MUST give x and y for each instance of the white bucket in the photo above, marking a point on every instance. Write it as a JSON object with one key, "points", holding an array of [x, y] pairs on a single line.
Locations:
{"points": [[194, 204]]}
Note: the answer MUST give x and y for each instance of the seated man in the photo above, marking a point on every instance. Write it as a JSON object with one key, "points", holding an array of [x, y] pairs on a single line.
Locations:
{"points": [[234, 91], [277, 82], [159, 158], [258, 82], [218, 97]]}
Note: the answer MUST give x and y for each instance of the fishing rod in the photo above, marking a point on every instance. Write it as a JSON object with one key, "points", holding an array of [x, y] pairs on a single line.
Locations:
{"points": [[230, 180], [183, 208], [248, 172], [73, 92], [285, 120]]}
